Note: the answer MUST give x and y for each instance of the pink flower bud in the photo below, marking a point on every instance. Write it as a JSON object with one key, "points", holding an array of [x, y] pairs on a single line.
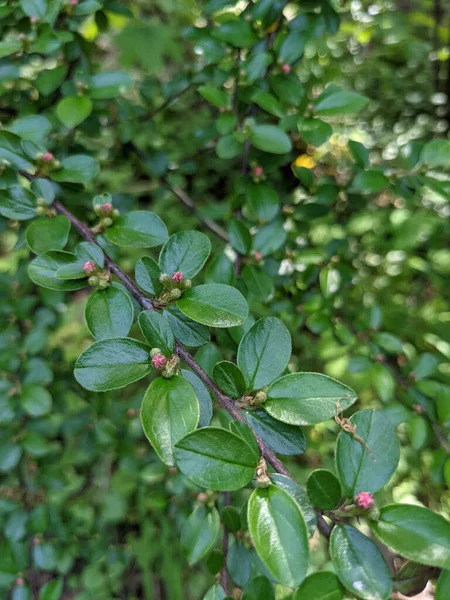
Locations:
{"points": [[202, 497], [258, 171], [364, 500], [20, 581], [177, 277], [22, 36], [34, 19], [48, 157], [258, 255], [73, 2], [107, 207], [159, 361], [89, 266], [286, 68]]}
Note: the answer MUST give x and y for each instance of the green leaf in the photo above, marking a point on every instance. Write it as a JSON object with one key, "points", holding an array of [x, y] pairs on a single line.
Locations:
{"points": [[9, 456], [244, 431], [73, 110], [48, 234], [34, 8], [285, 439], [33, 128], [324, 489], [270, 138], [270, 237], [85, 252], [320, 586], [359, 153], [229, 378], [215, 593], [359, 470], [77, 169], [215, 458], [214, 96], [52, 590], [293, 46], [112, 364], [240, 237], [369, 182], [186, 252], [199, 533], [416, 533], [336, 101], [20, 205], [229, 515], [237, 33], [36, 400], [169, 411], [264, 352], [188, 332], [49, 81], [307, 398], [109, 313], [289, 89], [314, 131], [259, 588], [147, 274], [239, 563], [263, 201], [138, 229], [259, 283], [9, 47], [359, 564], [436, 153], [104, 86], [157, 331], [228, 147], [268, 102], [279, 534], [443, 585], [215, 305], [43, 271], [11, 150], [203, 397]]}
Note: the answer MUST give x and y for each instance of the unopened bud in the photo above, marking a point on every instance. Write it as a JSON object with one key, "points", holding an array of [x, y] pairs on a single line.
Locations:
{"points": [[107, 222], [258, 171], [175, 294], [159, 361], [364, 500], [34, 19], [41, 202], [259, 398], [164, 278], [202, 497], [107, 207], [73, 2], [258, 255], [177, 277], [116, 213], [103, 284], [89, 266], [186, 284], [93, 280], [41, 211], [48, 157], [155, 352], [22, 37], [20, 581], [286, 68]]}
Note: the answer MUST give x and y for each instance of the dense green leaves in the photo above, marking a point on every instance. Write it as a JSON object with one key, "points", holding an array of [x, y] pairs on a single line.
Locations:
{"points": [[367, 468], [320, 586], [111, 364], [185, 252], [359, 564], [48, 234], [416, 533], [43, 271], [11, 150], [279, 534], [138, 229], [77, 169], [215, 458], [215, 305], [307, 398], [157, 331], [109, 313], [436, 153], [199, 533], [20, 204], [264, 352], [169, 411]]}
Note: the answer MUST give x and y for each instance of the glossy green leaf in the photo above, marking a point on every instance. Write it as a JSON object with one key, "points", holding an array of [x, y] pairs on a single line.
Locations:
{"points": [[73, 110], [86, 251], [369, 182], [109, 313], [259, 588], [12, 151], [199, 533], [215, 305], [282, 438], [203, 397], [307, 398], [156, 330], [268, 102], [228, 147], [314, 131], [48, 234], [138, 229], [240, 237], [358, 469], [187, 331], [147, 274], [109, 85], [36, 400], [443, 585], [436, 153], [324, 489], [77, 169], [270, 138], [169, 411], [270, 237], [416, 533], [19, 205], [186, 252], [264, 352], [8, 47], [239, 563], [214, 96], [229, 378], [216, 459], [279, 534], [34, 8], [215, 593], [320, 586], [359, 564], [52, 590], [33, 128], [229, 516], [244, 431], [43, 271], [111, 364], [237, 33], [336, 101], [359, 153], [263, 201], [259, 283]]}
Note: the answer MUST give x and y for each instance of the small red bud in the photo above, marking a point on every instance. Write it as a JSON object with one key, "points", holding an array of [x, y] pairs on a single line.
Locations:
{"points": [[159, 361], [258, 255], [73, 2], [418, 409], [286, 68], [89, 266], [202, 497], [107, 207], [34, 19], [177, 277], [48, 157], [20, 581], [258, 171], [364, 500]]}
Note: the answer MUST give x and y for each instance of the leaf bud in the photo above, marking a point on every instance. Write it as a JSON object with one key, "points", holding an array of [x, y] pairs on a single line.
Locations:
{"points": [[93, 280], [175, 294]]}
